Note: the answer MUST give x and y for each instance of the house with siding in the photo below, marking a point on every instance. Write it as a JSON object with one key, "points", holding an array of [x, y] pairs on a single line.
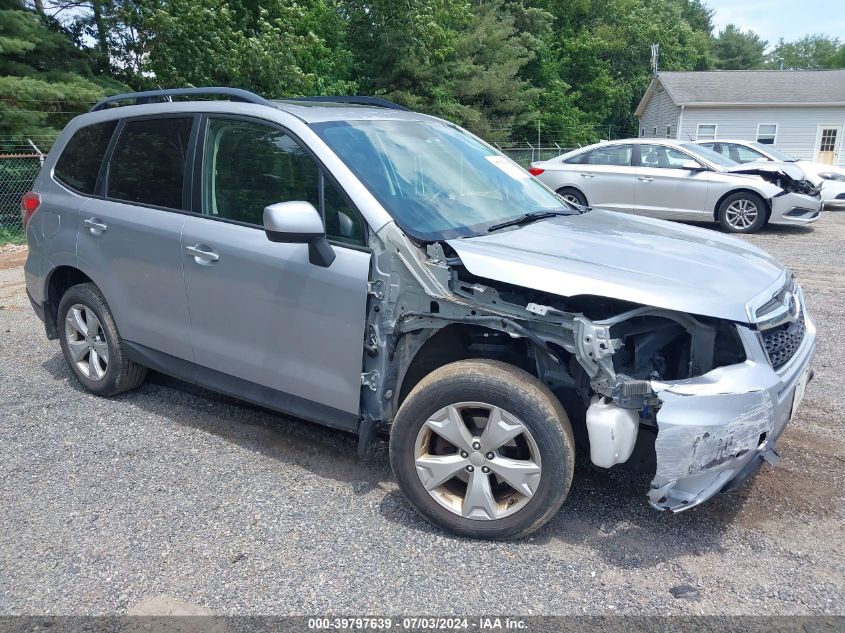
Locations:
{"points": [[801, 112]]}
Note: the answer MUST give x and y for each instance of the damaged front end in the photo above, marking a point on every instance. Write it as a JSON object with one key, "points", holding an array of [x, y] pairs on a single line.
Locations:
{"points": [[712, 394], [715, 431], [788, 177]]}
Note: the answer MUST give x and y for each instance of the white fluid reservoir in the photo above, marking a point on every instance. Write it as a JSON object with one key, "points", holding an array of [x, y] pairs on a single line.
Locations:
{"points": [[612, 431]]}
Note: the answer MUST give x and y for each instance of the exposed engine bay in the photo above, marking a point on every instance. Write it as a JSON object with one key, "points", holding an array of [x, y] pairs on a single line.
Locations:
{"points": [[600, 356], [790, 178]]}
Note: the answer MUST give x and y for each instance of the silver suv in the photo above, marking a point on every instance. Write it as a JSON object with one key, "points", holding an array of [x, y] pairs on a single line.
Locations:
{"points": [[386, 273]]}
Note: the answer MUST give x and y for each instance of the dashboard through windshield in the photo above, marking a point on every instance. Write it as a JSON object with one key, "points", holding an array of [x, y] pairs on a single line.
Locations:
{"points": [[436, 181]]}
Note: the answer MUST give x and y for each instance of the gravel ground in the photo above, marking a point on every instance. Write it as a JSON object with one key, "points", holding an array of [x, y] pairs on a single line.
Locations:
{"points": [[173, 496]]}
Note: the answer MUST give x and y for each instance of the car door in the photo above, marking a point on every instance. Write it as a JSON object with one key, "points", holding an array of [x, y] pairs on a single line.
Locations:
{"points": [[264, 319], [606, 177], [664, 189], [129, 236]]}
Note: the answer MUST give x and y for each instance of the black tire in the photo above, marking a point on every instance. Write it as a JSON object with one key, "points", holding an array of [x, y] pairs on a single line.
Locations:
{"points": [[579, 197], [519, 394], [121, 374], [762, 212]]}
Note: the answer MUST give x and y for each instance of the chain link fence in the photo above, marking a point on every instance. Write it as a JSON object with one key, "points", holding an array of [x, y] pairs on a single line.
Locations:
{"points": [[525, 153], [19, 165]]}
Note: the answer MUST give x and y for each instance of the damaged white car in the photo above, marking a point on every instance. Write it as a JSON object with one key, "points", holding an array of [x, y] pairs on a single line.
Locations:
{"points": [[386, 273]]}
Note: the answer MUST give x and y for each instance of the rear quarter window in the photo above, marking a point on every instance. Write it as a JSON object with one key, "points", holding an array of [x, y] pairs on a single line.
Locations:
{"points": [[80, 160]]}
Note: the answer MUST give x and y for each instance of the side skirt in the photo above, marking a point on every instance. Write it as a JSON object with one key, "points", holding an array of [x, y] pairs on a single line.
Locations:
{"points": [[278, 401]]}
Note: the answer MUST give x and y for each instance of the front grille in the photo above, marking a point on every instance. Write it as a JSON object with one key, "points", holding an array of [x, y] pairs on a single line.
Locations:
{"points": [[783, 341]]}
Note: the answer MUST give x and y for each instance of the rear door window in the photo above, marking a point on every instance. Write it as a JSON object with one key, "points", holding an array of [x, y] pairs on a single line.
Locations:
{"points": [[741, 153], [79, 163], [616, 155], [148, 164], [663, 157]]}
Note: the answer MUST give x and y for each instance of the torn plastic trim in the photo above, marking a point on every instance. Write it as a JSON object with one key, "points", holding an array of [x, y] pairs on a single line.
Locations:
{"points": [[714, 430]]}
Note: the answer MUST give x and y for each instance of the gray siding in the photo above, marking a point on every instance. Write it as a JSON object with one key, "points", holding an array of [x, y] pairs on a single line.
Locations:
{"points": [[797, 126], [660, 112]]}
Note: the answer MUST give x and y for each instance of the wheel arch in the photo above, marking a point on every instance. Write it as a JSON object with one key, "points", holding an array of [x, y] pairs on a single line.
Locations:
{"points": [[574, 188], [59, 280], [455, 342]]}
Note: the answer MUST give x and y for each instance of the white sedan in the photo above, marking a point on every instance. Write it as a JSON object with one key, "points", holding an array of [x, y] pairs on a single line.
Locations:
{"points": [[673, 180], [831, 177]]}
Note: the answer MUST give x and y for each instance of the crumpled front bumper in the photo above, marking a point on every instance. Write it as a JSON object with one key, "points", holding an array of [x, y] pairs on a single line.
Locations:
{"points": [[795, 208], [714, 431]]}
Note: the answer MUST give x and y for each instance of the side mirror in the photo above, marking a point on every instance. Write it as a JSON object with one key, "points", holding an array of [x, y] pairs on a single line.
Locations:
{"points": [[299, 222], [692, 165]]}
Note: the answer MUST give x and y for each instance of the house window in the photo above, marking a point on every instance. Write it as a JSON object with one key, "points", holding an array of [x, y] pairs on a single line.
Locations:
{"points": [[668, 131], [654, 132], [705, 132], [767, 133]]}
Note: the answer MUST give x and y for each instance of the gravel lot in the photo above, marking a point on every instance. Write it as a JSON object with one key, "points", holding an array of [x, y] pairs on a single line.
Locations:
{"points": [[171, 495]]}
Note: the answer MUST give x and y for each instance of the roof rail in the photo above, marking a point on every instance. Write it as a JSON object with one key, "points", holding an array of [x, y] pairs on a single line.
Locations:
{"points": [[377, 102], [150, 96]]}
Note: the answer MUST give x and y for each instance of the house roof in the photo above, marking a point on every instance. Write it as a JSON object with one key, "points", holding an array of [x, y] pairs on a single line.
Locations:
{"points": [[750, 88]]}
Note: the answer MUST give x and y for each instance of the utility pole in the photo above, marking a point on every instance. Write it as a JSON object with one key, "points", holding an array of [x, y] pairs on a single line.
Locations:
{"points": [[655, 57]]}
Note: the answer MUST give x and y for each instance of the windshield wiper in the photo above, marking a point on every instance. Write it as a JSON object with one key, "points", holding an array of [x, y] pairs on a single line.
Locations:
{"points": [[528, 218]]}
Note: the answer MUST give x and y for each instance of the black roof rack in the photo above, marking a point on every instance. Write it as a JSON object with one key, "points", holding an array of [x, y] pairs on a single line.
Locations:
{"points": [[377, 102], [151, 96]]}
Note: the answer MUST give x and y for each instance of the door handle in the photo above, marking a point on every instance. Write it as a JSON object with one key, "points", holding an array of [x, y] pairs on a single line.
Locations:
{"points": [[588, 176], [202, 254], [96, 226], [646, 178]]}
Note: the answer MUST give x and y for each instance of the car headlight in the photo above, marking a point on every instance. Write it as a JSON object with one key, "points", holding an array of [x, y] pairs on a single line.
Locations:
{"points": [[829, 175]]}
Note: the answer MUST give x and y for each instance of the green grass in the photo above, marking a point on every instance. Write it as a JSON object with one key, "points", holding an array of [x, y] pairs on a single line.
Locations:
{"points": [[11, 236]]}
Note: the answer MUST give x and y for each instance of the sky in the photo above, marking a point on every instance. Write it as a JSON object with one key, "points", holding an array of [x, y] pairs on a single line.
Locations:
{"points": [[789, 19]]}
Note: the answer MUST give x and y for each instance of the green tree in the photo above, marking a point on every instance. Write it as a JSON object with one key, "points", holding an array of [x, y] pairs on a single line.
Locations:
{"points": [[595, 64], [278, 48], [735, 49], [483, 88], [44, 78], [400, 48], [811, 52]]}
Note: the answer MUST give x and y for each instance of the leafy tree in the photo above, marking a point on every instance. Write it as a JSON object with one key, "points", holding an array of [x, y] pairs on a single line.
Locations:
{"points": [[595, 64], [811, 52], [400, 48], [278, 47], [735, 49], [44, 78], [482, 74]]}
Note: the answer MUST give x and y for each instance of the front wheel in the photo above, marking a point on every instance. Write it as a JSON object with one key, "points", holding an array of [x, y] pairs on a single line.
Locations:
{"points": [[483, 449], [743, 212]]}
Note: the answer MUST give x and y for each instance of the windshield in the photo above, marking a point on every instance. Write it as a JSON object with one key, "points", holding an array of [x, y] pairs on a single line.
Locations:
{"points": [[437, 181], [774, 153], [708, 154]]}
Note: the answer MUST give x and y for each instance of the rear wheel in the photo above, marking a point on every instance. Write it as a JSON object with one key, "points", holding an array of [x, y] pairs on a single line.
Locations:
{"points": [[91, 344], [572, 195], [743, 212], [483, 449]]}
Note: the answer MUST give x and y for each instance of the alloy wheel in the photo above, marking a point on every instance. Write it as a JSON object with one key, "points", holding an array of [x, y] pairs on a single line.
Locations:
{"points": [[86, 342], [741, 214], [477, 460]]}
